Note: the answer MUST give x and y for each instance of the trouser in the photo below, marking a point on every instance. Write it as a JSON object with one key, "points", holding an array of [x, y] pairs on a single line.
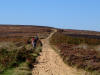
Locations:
{"points": [[34, 44]]}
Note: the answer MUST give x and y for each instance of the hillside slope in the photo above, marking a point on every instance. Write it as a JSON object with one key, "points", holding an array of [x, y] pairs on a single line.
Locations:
{"points": [[22, 30]]}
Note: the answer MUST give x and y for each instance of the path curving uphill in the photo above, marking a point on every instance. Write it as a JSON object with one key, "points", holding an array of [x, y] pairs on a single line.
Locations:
{"points": [[50, 63]]}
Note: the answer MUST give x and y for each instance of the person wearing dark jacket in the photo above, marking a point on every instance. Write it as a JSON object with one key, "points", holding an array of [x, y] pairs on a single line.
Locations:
{"points": [[34, 41]]}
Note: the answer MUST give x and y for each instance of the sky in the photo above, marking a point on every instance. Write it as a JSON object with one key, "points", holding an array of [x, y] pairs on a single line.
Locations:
{"points": [[67, 14]]}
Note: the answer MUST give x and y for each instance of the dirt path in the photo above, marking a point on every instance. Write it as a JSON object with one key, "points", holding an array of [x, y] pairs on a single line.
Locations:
{"points": [[50, 63]]}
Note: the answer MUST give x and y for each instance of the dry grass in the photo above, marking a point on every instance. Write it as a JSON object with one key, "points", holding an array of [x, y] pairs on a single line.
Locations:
{"points": [[77, 51], [60, 37], [18, 32]]}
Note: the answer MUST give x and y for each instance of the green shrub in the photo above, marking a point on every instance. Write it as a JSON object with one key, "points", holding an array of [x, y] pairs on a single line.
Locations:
{"points": [[13, 54]]}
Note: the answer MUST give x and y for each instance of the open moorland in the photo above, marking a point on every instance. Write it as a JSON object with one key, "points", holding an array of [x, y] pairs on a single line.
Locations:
{"points": [[17, 56], [79, 48], [16, 32]]}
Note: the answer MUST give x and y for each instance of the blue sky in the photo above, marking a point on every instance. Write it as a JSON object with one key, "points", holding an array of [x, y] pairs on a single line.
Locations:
{"points": [[69, 14]]}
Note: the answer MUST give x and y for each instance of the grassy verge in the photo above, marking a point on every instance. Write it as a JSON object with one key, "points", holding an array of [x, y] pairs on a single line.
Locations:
{"points": [[18, 59], [22, 69]]}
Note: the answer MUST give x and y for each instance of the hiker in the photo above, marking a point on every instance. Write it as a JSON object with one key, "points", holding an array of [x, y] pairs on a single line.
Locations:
{"points": [[33, 44], [34, 41]]}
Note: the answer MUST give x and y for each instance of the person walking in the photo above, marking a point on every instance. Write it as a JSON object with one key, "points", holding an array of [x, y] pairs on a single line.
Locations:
{"points": [[33, 44], [34, 41]]}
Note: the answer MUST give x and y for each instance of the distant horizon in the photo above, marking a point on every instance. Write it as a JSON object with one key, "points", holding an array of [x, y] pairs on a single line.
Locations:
{"points": [[43, 26]]}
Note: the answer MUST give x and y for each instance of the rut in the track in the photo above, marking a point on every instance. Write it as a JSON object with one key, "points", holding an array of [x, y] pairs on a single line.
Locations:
{"points": [[50, 63]]}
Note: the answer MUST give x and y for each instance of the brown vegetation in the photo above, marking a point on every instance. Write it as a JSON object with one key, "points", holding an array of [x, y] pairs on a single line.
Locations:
{"points": [[15, 45], [88, 59], [22, 33]]}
